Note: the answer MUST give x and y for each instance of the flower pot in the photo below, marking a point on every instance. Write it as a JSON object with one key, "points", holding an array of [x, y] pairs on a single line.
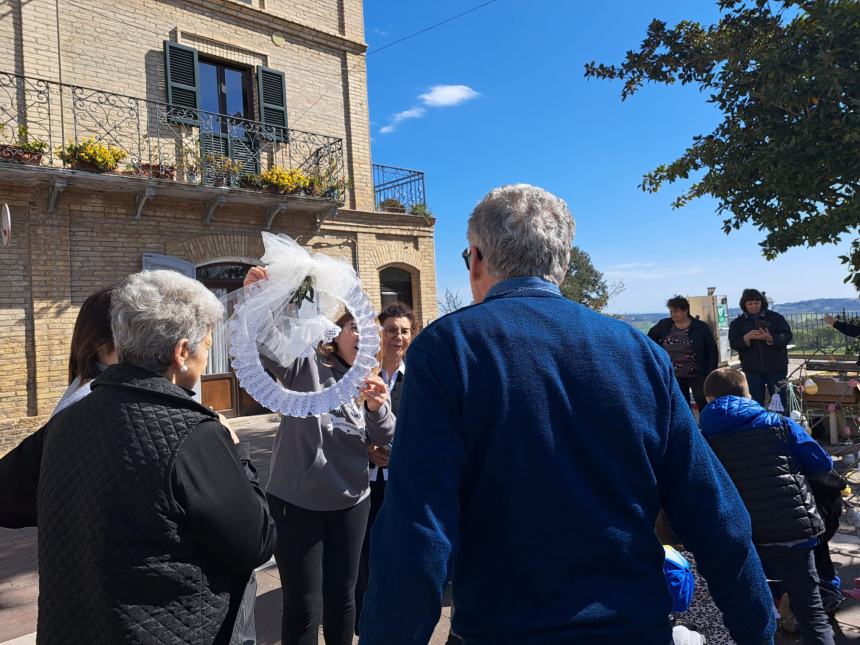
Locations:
{"points": [[88, 167], [17, 155], [157, 171]]}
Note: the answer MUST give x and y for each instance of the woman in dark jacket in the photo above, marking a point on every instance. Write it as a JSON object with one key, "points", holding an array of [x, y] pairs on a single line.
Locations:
{"points": [[761, 337], [691, 346], [150, 516]]}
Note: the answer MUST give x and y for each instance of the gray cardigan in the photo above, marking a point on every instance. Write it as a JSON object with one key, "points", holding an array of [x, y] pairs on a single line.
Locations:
{"points": [[320, 463]]}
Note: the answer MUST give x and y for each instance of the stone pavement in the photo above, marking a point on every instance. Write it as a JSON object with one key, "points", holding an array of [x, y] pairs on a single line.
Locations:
{"points": [[19, 576]]}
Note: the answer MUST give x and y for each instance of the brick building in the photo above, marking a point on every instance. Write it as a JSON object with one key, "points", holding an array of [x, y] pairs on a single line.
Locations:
{"points": [[200, 98]]}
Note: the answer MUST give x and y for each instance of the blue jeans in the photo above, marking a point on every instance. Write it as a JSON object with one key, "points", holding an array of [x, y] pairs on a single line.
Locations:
{"points": [[758, 381], [794, 569]]}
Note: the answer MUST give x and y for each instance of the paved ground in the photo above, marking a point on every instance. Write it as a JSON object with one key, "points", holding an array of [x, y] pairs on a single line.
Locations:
{"points": [[19, 577]]}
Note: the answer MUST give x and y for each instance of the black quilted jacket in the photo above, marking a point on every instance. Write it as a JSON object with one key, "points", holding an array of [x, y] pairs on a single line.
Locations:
{"points": [[148, 524], [771, 483]]}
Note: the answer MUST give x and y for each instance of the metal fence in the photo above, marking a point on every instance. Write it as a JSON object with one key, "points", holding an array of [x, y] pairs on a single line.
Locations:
{"points": [[812, 335], [159, 140], [399, 190]]}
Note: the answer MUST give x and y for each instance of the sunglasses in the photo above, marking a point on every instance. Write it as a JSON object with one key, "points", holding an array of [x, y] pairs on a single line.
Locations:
{"points": [[467, 256]]}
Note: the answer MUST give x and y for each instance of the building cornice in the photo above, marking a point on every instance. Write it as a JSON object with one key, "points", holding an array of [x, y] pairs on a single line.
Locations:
{"points": [[272, 23]]}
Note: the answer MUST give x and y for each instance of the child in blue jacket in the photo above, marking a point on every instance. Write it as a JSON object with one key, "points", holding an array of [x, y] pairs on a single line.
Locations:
{"points": [[769, 458]]}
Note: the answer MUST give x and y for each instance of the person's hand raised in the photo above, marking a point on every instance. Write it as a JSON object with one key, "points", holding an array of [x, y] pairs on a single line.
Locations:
{"points": [[375, 393], [255, 274]]}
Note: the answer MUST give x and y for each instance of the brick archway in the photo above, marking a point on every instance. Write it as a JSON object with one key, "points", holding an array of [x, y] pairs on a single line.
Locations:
{"points": [[205, 249]]}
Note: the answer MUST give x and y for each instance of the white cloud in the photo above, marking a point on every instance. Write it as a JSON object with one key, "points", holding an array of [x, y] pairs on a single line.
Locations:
{"points": [[397, 119], [436, 96], [632, 271], [380, 32], [412, 113], [447, 95]]}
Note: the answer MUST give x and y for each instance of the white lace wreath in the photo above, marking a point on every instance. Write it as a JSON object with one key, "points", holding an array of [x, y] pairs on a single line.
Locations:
{"points": [[267, 321]]}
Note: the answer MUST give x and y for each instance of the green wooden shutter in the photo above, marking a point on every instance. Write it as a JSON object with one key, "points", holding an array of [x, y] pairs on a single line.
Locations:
{"points": [[272, 92], [181, 79]]}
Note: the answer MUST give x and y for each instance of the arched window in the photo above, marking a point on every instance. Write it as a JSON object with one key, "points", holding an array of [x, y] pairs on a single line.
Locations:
{"points": [[396, 286]]}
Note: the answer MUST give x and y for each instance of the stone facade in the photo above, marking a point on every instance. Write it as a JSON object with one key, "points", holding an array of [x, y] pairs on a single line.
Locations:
{"points": [[92, 239]]}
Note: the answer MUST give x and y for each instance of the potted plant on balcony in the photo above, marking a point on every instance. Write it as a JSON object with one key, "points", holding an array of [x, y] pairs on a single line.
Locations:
{"points": [[281, 180], [22, 149], [223, 170], [188, 163], [251, 181], [91, 155], [392, 205], [156, 171], [421, 210]]}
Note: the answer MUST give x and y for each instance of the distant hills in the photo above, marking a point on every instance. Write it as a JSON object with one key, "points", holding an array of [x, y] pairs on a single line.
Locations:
{"points": [[817, 306]]}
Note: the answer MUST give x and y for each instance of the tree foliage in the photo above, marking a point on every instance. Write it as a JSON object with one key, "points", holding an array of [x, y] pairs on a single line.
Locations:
{"points": [[585, 284], [786, 77]]}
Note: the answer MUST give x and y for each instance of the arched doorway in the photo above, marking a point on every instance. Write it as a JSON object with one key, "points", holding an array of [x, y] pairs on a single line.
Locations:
{"points": [[395, 285], [219, 388]]}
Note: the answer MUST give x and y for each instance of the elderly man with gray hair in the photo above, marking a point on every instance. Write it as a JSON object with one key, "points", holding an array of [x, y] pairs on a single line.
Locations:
{"points": [[150, 516], [536, 442]]}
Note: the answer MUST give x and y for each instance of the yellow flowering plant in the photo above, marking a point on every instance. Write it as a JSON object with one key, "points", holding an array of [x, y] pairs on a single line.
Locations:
{"points": [[285, 181], [90, 152]]}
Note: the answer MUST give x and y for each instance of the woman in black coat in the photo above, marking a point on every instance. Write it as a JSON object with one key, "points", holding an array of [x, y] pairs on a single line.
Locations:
{"points": [[761, 337], [691, 346]]}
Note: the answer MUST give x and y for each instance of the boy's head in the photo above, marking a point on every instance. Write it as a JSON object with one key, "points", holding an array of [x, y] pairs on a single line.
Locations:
{"points": [[726, 382]]}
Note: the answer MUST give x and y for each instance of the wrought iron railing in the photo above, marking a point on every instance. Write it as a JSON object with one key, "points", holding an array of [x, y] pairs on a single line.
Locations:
{"points": [[811, 334], [162, 141], [399, 190]]}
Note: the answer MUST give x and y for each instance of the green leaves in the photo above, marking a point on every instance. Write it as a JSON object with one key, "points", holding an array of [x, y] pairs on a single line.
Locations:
{"points": [[585, 284], [786, 77]]}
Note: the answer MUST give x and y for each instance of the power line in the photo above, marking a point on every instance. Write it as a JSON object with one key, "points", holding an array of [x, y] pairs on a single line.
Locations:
{"points": [[392, 44], [431, 27]]}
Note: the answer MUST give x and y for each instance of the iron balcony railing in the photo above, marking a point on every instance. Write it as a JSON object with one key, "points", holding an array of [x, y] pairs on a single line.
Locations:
{"points": [[161, 141], [399, 190]]}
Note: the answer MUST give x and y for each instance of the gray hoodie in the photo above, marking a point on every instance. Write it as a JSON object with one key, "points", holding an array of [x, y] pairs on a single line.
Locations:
{"points": [[320, 463]]}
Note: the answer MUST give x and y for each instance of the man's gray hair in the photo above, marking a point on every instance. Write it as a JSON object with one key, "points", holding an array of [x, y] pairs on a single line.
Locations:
{"points": [[522, 230], [152, 311]]}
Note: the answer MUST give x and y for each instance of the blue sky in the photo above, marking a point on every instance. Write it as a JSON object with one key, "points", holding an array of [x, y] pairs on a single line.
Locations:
{"points": [[525, 113]]}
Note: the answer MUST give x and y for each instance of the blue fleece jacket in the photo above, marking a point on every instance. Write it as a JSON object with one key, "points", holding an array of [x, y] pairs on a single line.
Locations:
{"points": [[536, 441]]}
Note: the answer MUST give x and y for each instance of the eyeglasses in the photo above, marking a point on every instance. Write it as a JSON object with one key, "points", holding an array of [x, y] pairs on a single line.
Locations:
{"points": [[467, 256], [394, 332]]}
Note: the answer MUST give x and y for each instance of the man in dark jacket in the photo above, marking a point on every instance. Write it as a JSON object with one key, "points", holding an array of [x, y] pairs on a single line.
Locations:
{"points": [[151, 520], [769, 458], [536, 442], [691, 346], [761, 337]]}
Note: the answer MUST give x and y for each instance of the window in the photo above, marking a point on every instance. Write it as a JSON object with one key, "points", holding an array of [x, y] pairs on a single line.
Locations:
{"points": [[395, 285], [224, 89]]}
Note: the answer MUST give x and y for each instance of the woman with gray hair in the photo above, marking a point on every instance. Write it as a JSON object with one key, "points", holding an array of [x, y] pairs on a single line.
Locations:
{"points": [[150, 516]]}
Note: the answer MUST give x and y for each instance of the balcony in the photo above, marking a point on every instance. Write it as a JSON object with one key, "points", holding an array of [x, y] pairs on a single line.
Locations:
{"points": [[399, 190], [162, 150]]}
